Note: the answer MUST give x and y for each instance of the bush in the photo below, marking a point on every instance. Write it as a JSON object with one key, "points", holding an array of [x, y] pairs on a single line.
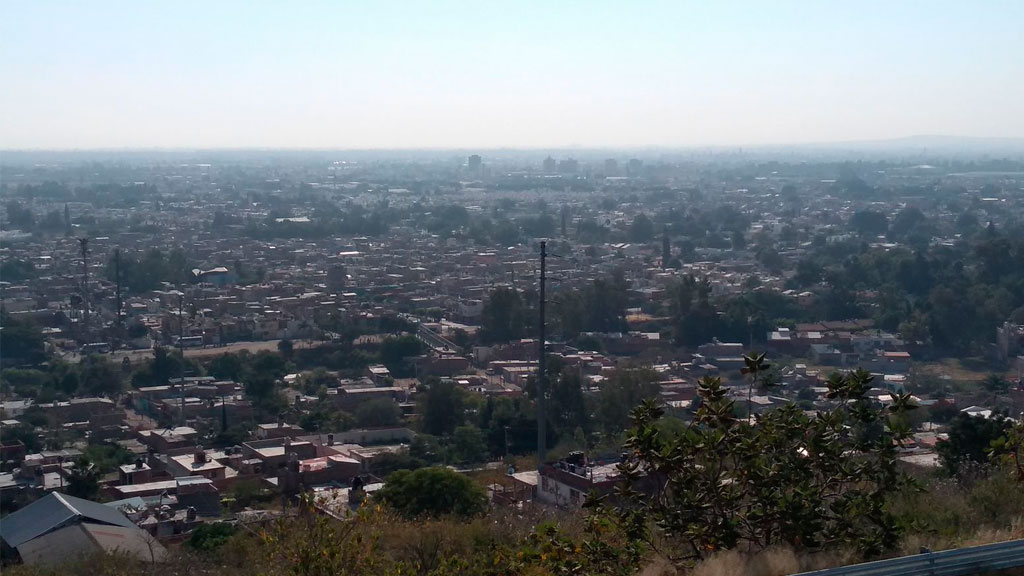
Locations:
{"points": [[208, 537], [808, 483], [432, 492]]}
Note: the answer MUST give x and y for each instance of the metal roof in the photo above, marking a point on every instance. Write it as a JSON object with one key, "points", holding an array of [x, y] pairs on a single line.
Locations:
{"points": [[85, 538], [989, 558], [52, 512]]}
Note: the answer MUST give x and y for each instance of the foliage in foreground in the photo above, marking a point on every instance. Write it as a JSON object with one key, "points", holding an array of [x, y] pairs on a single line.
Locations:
{"points": [[812, 488], [806, 482], [376, 541]]}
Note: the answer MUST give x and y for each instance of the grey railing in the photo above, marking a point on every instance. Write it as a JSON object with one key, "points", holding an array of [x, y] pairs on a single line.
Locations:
{"points": [[958, 562]]}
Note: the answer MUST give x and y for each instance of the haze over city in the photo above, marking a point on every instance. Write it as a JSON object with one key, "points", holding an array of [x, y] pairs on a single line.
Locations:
{"points": [[513, 288], [452, 74]]}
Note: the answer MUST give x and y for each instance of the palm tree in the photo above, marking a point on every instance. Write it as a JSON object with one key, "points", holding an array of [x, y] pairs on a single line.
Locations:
{"points": [[996, 385], [83, 479], [755, 366]]}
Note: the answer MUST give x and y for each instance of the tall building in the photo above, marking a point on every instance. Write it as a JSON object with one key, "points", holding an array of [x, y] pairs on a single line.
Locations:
{"points": [[475, 164], [634, 167], [550, 166], [568, 166], [611, 167]]}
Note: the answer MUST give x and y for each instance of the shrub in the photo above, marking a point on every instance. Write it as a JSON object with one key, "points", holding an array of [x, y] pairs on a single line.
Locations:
{"points": [[432, 492]]}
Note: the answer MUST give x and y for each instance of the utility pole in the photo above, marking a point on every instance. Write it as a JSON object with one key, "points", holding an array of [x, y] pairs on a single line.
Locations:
{"points": [[83, 249], [117, 278], [542, 365], [666, 249], [223, 413], [181, 360]]}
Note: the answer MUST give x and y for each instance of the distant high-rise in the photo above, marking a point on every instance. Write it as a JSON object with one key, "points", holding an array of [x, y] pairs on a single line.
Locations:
{"points": [[475, 164], [611, 167], [634, 167], [568, 166], [550, 165]]}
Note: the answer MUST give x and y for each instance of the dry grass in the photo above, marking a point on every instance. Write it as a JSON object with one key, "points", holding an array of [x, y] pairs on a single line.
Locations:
{"points": [[779, 561], [957, 371]]}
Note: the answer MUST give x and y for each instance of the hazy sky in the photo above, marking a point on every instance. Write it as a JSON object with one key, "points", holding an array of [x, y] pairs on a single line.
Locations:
{"points": [[437, 73]]}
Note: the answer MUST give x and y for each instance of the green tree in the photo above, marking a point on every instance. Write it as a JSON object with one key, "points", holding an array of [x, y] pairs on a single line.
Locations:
{"points": [[313, 382], [468, 445], [25, 382], [384, 464], [995, 383], [755, 367], [17, 270], [164, 365], [83, 479], [738, 240], [1009, 449], [808, 272], [394, 352], [286, 348], [227, 367], [432, 492], [605, 305], [642, 229], [269, 363], [210, 536], [566, 403], [625, 389], [504, 316], [869, 223], [98, 376], [26, 434], [22, 342], [770, 258], [378, 413], [261, 387], [786, 479], [442, 407], [969, 440], [589, 343], [907, 222], [20, 217]]}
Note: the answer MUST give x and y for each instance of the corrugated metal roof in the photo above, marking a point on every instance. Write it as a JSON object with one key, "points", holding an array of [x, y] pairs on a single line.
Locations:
{"points": [[87, 538], [54, 511]]}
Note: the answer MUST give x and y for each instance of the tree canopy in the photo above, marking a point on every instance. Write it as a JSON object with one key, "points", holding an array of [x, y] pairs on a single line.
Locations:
{"points": [[432, 492]]}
